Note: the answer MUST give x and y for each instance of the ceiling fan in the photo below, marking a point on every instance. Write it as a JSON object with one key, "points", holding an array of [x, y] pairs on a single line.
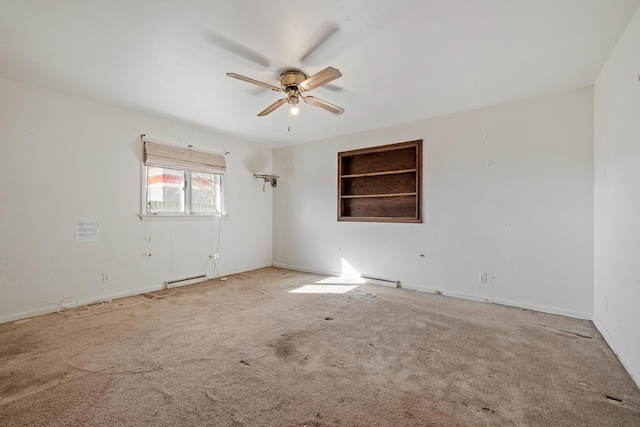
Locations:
{"points": [[294, 83]]}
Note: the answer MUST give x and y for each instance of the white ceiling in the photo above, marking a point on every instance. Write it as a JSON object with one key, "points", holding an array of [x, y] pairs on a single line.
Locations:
{"points": [[401, 60]]}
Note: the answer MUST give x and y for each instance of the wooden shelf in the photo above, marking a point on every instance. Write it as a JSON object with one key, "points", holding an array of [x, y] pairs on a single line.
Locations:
{"points": [[360, 175], [378, 195], [381, 184]]}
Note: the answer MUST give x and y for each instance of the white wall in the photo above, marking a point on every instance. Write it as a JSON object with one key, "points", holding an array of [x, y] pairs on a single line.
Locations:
{"points": [[508, 190], [617, 200], [63, 158]]}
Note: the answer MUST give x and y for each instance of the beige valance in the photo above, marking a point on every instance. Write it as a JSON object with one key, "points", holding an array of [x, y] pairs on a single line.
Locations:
{"points": [[167, 156]]}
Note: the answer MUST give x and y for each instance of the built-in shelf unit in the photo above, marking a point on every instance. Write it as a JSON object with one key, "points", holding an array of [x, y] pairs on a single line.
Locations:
{"points": [[382, 184]]}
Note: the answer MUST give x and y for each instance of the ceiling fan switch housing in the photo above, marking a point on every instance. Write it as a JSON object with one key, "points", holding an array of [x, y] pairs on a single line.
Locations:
{"points": [[293, 99]]}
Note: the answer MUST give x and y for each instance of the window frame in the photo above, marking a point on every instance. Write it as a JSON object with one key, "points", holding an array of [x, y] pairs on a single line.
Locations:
{"points": [[187, 188], [219, 186]]}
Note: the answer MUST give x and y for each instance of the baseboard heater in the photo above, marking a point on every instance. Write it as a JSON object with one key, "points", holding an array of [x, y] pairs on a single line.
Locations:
{"points": [[185, 281], [391, 283]]}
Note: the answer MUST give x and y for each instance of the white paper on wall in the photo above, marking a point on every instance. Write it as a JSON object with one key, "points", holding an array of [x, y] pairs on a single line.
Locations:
{"points": [[87, 230]]}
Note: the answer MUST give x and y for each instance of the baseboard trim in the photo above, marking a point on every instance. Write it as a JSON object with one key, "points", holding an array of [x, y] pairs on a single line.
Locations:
{"points": [[53, 308], [518, 304], [242, 270], [626, 361], [462, 295], [305, 270]]}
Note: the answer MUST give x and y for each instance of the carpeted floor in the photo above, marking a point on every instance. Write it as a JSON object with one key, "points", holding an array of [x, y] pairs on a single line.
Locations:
{"points": [[248, 352]]}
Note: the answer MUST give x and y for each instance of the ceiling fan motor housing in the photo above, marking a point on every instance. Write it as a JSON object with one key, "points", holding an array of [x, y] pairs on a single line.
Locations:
{"points": [[291, 79]]}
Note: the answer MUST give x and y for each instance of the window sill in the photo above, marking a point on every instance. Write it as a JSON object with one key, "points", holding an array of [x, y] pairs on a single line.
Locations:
{"points": [[169, 217]]}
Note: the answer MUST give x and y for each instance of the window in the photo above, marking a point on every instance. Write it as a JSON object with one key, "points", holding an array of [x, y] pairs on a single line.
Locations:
{"points": [[172, 191], [381, 184], [181, 182]]}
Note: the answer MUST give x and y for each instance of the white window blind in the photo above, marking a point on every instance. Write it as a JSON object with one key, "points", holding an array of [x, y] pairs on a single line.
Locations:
{"points": [[167, 156]]}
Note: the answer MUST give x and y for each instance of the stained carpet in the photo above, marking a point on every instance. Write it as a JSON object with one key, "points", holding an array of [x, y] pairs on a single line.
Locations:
{"points": [[250, 352]]}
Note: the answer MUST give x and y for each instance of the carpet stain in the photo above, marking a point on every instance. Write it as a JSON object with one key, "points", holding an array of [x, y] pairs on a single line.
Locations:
{"points": [[285, 346]]}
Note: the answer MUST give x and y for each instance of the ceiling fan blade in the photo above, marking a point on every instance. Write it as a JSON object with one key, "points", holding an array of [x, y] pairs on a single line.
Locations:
{"points": [[333, 109], [237, 49], [318, 38], [272, 107], [255, 82], [322, 77], [333, 88]]}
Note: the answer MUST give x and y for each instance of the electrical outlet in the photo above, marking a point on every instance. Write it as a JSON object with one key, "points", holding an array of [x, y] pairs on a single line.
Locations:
{"points": [[106, 277], [482, 277]]}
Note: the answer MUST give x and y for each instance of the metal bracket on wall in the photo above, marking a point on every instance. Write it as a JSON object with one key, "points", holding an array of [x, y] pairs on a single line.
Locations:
{"points": [[273, 179]]}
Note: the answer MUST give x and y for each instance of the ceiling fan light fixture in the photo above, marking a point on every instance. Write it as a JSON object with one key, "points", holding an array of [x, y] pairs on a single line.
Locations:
{"points": [[293, 102]]}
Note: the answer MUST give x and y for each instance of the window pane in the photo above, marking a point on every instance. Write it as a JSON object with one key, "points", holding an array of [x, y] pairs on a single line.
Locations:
{"points": [[205, 193], [165, 190]]}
